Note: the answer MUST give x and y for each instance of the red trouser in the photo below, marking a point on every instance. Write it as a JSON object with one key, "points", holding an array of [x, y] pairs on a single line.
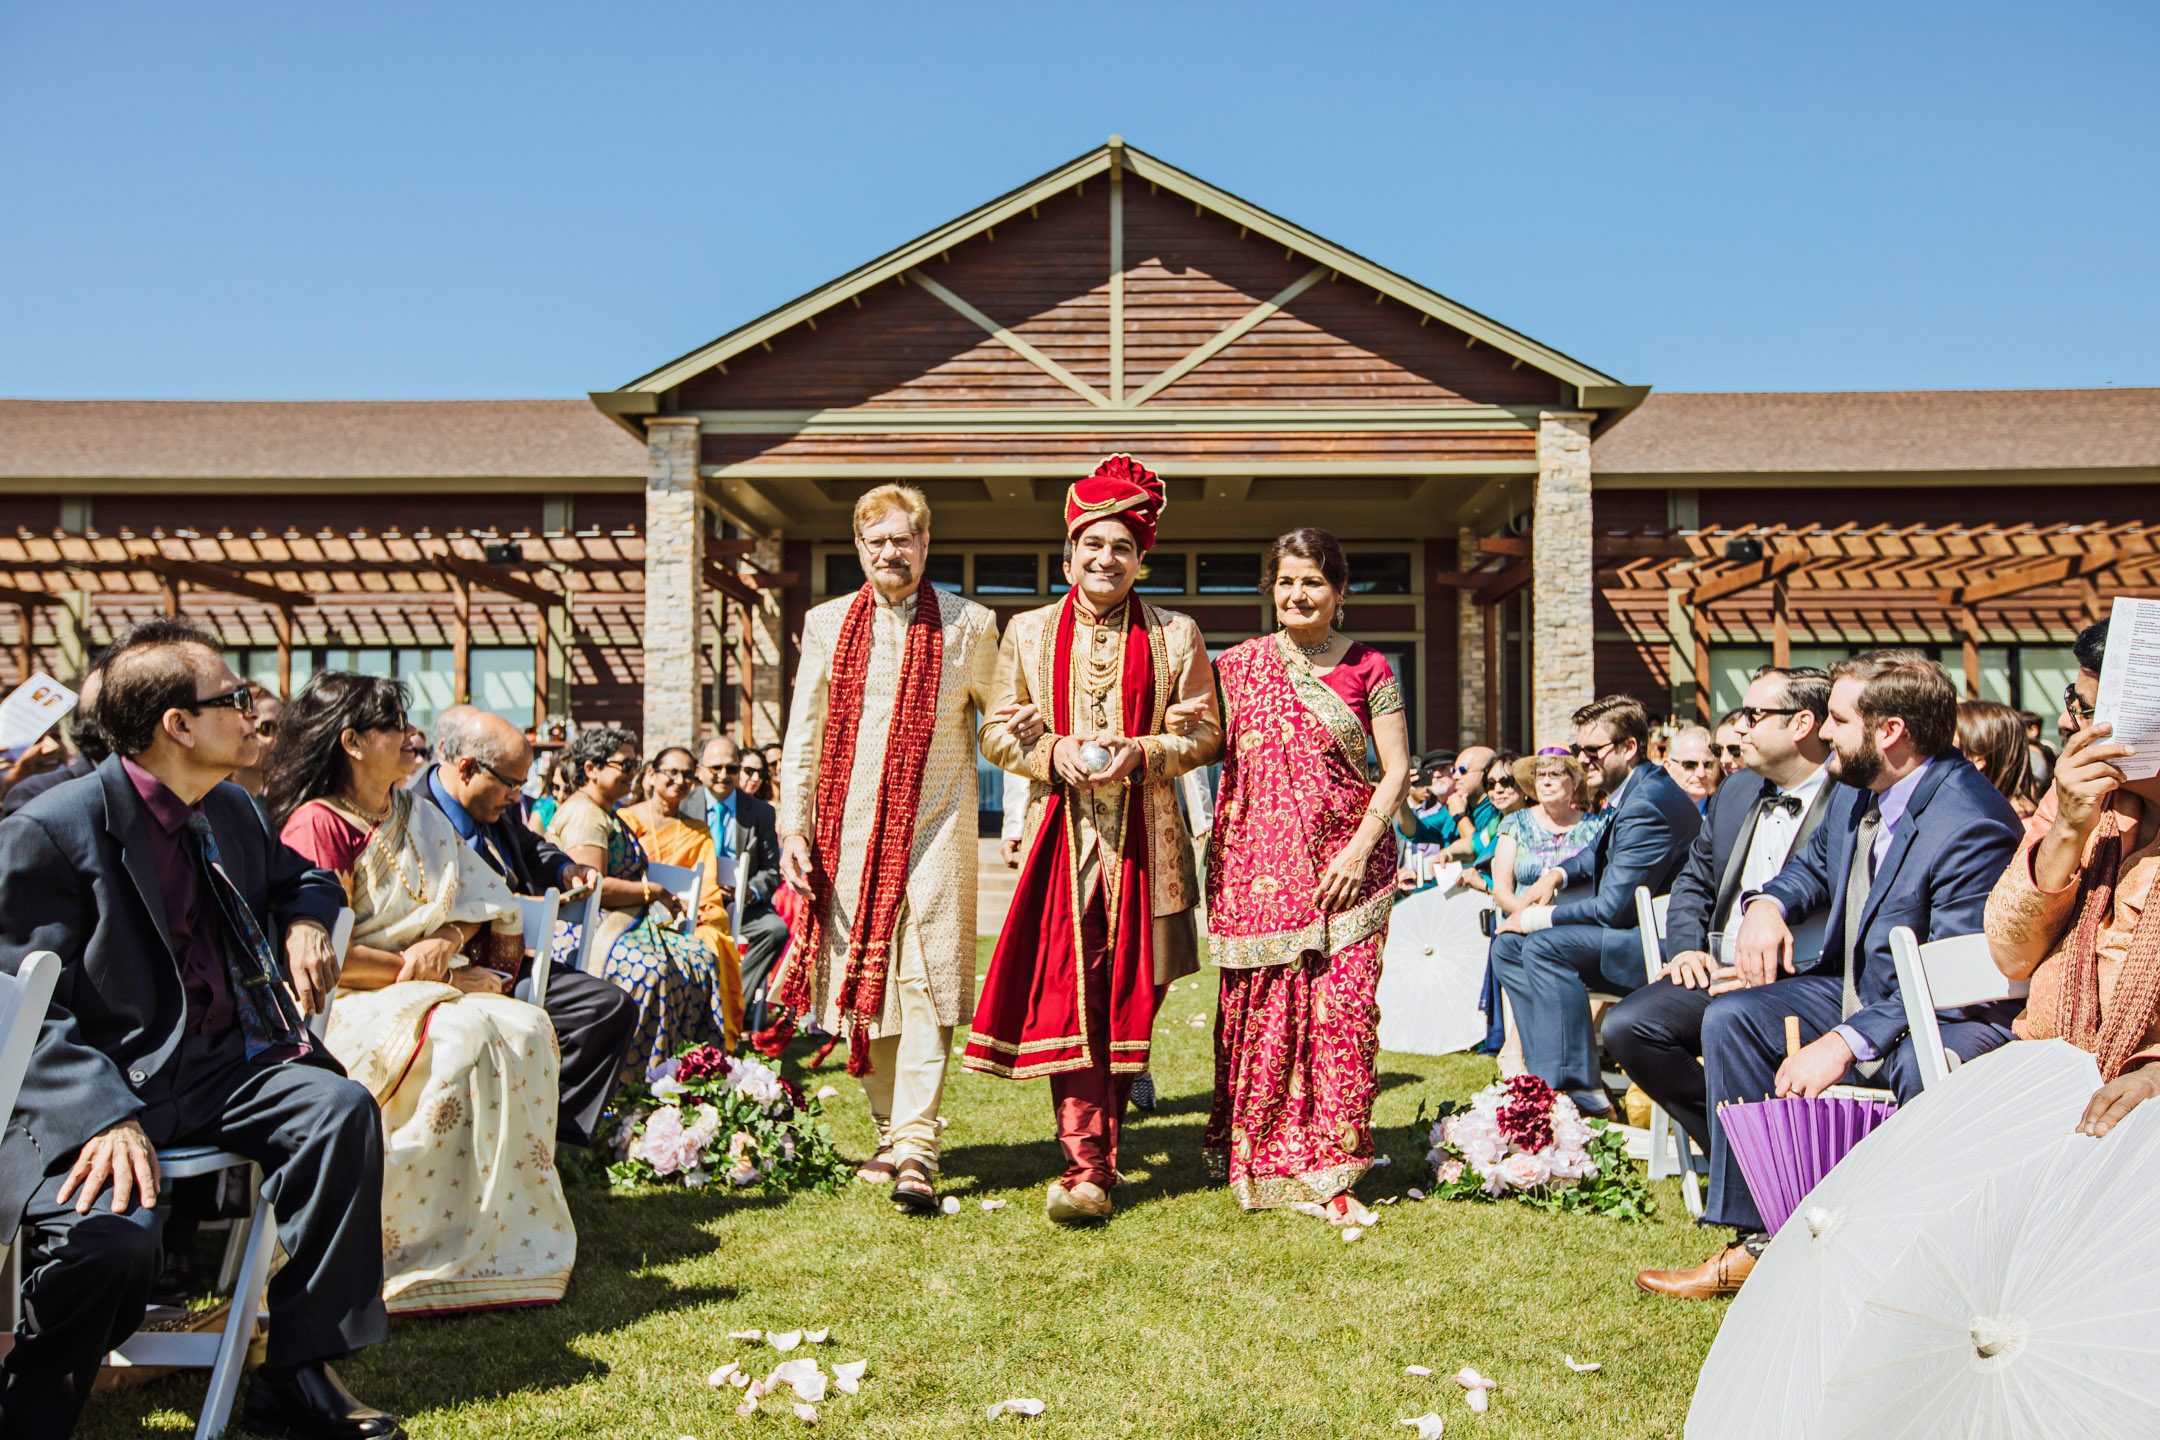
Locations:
{"points": [[1090, 1103]]}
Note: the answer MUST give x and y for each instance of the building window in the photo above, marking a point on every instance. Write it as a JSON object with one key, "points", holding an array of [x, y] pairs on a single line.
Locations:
{"points": [[501, 676], [947, 569], [1162, 575], [1008, 574], [1231, 574], [843, 573], [1380, 572]]}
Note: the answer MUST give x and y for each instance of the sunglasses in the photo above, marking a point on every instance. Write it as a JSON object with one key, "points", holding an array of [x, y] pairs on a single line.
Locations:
{"points": [[1730, 752], [1590, 752], [723, 769], [1691, 766], [2076, 708], [242, 700], [753, 770], [669, 773], [267, 729], [1751, 716]]}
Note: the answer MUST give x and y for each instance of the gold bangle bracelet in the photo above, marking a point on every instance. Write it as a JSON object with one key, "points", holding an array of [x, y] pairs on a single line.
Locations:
{"points": [[1383, 819]]}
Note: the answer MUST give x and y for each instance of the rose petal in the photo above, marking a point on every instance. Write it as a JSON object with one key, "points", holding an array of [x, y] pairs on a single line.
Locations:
{"points": [[785, 1343], [1015, 1407], [1569, 1361], [1417, 1370], [1379, 1160], [725, 1375], [1306, 1207], [950, 1205], [1413, 1193], [807, 1414], [748, 1407], [746, 1335], [739, 1379], [995, 1204], [1469, 1379], [1428, 1426], [1389, 1199], [847, 1379], [817, 1337], [826, 1092], [1476, 1399], [1353, 1232], [791, 1372], [811, 1387]]}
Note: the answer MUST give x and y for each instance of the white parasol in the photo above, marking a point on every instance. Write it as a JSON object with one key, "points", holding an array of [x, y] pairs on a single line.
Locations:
{"points": [[2028, 1309], [1432, 973], [1791, 1320]]}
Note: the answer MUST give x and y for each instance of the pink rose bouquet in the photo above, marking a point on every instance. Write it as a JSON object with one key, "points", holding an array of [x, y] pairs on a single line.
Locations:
{"points": [[706, 1117], [1517, 1138]]}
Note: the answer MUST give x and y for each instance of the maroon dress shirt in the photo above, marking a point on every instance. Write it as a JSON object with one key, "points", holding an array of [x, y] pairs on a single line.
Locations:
{"points": [[191, 917]]}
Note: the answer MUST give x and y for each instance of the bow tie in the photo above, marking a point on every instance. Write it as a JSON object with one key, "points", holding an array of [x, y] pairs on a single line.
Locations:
{"points": [[1790, 804]]}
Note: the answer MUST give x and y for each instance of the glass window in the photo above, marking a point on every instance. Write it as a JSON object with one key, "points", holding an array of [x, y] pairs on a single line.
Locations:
{"points": [[1383, 574], [260, 666], [947, 570], [843, 573], [360, 662], [1162, 575], [1230, 574], [428, 675], [502, 682], [1007, 574]]}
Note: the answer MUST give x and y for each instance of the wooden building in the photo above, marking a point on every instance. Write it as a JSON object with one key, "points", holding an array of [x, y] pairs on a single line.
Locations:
{"points": [[1525, 531]]}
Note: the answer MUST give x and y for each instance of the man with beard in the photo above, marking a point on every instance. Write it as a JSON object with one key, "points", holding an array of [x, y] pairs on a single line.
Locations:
{"points": [[1915, 837]]}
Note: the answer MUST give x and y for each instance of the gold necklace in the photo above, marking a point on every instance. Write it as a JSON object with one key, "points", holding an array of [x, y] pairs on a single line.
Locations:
{"points": [[397, 861], [1099, 673]]}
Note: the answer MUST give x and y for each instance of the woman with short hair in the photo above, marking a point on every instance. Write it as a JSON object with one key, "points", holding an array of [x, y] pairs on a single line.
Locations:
{"points": [[1533, 840], [467, 1077], [673, 838], [1301, 879], [672, 976]]}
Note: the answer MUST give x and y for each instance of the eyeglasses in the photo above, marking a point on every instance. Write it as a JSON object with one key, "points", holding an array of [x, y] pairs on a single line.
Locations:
{"points": [[1691, 766], [723, 769], [1503, 782], [1751, 715], [673, 774], [242, 700], [753, 770], [878, 544], [620, 762], [267, 729], [501, 779], [2075, 707], [1730, 752], [1458, 772], [1590, 752]]}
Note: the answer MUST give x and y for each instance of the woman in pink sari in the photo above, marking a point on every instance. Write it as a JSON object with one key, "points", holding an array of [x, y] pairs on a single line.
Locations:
{"points": [[1301, 877]]}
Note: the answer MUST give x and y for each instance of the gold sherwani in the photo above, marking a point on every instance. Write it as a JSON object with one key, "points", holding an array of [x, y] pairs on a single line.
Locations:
{"points": [[940, 906], [1025, 665]]}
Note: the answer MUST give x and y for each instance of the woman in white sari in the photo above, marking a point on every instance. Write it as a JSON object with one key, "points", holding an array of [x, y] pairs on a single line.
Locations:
{"points": [[467, 1077]]}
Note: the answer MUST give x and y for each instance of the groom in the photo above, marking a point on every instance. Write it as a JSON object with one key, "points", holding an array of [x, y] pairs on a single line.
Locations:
{"points": [[1103, 917]]}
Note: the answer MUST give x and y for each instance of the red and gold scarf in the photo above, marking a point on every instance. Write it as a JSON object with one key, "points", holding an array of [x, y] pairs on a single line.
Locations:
{"points": [[885, 868]]}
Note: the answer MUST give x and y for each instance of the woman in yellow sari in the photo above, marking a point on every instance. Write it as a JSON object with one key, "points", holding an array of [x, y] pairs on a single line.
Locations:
{"points": [[671, 838], [467, 1077]]}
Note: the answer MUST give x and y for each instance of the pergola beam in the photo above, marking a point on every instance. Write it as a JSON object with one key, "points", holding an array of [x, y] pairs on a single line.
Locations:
{"points": [[218, 578], [2031, 577], [487, 577], [1747, 577]]}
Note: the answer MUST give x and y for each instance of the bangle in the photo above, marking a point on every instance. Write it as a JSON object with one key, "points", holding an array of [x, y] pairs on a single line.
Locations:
{"points": [[1383, 819]]}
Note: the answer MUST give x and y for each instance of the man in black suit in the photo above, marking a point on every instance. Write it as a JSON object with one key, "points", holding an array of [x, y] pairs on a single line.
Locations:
{"points": [[191, 946], [482, 763], [1755, 821], [743, 831], [1548, 955]]}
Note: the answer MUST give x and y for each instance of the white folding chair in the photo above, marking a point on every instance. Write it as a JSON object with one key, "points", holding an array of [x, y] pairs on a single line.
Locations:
{"points": [[540, 937], [1668, 1146], [24, 998], [1945, 974], [682, 880], [588, 920], [224, 1353], [726, 868]]}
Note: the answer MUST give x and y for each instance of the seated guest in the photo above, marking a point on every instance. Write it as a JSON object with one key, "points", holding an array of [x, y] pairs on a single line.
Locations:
{"points": [[90, 752], [1692, 763], [755, 771], [1725, 744], [554, 789], [2075, 914], [467, 1077], [1991, 735], [1432, 780], [1548, 955], [742, 829], [672, 976], [1754, 824], [671, 838], [191, 946], [1914, 837], [482, 760], [1540, 836]]}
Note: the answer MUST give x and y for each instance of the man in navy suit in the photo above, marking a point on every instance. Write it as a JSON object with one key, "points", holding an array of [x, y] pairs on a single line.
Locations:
{"points": [[1756, 821], [1548, 955], [1916, 837]]}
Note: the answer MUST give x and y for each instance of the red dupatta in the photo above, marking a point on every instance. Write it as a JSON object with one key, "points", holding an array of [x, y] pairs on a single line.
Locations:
{"points": [[1032, 1017]]}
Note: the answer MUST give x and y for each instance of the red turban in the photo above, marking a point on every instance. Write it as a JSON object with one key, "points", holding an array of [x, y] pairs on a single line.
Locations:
{"points": [[1121, 488]]}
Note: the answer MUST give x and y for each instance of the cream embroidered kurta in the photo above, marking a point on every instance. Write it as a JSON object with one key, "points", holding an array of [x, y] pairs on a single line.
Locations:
{"points": [[1024, 665], [940, 903]]}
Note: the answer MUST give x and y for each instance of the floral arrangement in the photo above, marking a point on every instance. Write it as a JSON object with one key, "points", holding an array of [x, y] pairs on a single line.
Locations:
{"points": [[706, 1117], [1518, 1138]]}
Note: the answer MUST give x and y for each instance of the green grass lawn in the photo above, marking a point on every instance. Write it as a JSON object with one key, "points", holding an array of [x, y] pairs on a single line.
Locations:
{"points": [[1182, 1318]]}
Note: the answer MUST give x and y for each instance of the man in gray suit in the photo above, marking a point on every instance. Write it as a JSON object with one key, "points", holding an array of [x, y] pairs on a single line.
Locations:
{"points": [[742, 831]]}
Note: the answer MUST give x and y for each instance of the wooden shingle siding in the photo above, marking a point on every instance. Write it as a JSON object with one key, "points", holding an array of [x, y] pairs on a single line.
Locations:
{"points": [[1085, 449]]}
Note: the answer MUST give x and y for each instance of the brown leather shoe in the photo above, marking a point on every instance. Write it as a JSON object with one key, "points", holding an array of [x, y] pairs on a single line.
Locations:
{"points": [[1081, 1204], [1721, 1274]]}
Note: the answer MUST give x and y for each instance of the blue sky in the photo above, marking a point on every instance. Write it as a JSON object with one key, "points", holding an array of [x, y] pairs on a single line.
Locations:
{"points": [[397, 200]]}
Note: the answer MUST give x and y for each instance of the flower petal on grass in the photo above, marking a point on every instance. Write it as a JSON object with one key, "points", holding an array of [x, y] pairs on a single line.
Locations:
{"points": [[1015, 1407], [785, 1343], [725, 1375], [1379, 1160], [739, 1379], [995, 1204], [792, 1372], [811, 1387], [746, 1335], [807, 1414], [1569, 1361], [1428, 1426], [1413, 1193], [827, 1092], [847, 1378], [1389, 1199], [817, 1337], [1418, 1370], [1353, 1232], [1306, 1207], [950, 1205], [1475, 1387]]}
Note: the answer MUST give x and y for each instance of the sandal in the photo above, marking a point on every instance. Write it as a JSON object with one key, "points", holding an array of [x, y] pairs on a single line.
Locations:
{"points": [[878, 1169], [912, 1188]]}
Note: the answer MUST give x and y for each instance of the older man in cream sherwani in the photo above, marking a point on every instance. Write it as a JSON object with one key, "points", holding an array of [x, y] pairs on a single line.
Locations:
{"points": [[877, 816]]}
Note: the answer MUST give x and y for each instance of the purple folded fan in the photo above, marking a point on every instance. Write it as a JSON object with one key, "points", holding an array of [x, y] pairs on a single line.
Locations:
{"points": [[1785, 1146]]}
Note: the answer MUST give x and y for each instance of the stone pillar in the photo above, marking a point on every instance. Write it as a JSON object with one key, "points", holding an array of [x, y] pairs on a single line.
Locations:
{"points": [[1469, 652], [1561, 578], [768, 683], [674, 582]]}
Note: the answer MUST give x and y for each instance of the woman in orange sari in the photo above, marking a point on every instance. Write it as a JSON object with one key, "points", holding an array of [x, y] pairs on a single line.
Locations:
{"points": [[671, 838], [1301, 877]]}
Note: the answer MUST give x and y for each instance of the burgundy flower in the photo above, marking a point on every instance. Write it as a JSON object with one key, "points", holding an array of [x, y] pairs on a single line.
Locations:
{"points": [[1529, 1087], [703, 1063]]}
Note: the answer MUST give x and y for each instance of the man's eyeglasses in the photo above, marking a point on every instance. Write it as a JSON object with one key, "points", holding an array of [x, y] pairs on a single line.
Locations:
{"points": [[501, 779], [620, 762], [1691, 766], [1590, 752], [1729, 752], [724, 769], [2075, 707], [242, 700], [878, 544], [1752, 715]]}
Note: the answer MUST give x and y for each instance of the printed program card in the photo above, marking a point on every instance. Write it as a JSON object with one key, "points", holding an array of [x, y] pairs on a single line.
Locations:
{"points": [[2130, 684], [37, 705]]}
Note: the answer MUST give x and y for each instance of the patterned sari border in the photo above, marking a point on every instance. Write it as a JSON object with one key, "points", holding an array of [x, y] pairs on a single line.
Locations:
{"points": [[1334, 711], [1328, 935]]}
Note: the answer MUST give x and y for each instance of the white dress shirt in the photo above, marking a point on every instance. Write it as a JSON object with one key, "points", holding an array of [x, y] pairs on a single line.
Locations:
{"points": [[1767, 853]]}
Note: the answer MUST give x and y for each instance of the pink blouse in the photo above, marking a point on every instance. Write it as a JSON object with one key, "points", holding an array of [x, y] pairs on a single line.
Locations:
{"points": [[1365, 683]]}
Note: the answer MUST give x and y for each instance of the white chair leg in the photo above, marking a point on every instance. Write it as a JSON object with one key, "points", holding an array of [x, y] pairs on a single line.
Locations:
{"points": [[1691, 1192], [11, 1283], [247, 1297], [236, 1232]]}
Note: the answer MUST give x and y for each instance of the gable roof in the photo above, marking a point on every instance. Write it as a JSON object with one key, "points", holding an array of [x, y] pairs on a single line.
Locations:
{"points": [[1597, 389]]}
